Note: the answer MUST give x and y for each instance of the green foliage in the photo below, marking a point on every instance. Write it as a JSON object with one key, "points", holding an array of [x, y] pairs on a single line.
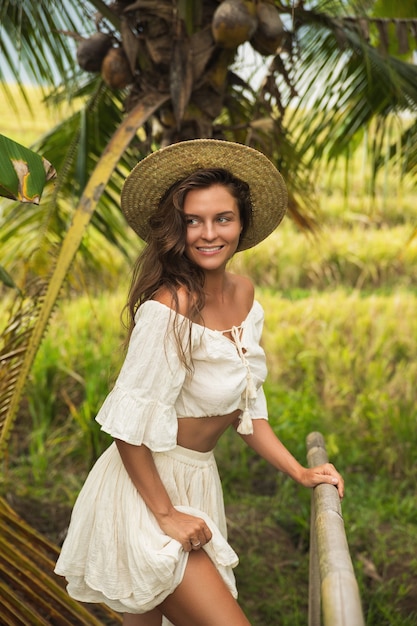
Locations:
{"points": [[7, 280], [341, 339], [23, 173], [326, 89], [340, 362], [358, 258]]}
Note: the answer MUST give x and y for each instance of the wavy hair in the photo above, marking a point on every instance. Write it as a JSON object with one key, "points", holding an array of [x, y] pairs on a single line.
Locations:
{"points": [[163, 263]]}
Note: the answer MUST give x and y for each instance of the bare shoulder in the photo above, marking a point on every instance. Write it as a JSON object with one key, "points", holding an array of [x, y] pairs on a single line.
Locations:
{"points": [[164, 296], [243, 289]]}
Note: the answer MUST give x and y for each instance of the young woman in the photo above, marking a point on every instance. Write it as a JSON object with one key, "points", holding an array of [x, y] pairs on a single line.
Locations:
{"points": [[148, 532]]}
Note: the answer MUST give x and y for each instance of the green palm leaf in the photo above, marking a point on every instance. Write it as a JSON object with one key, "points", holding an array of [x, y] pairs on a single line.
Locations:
{"points": [[23, 173], [7, 280], [75, 147], [32, 39]]}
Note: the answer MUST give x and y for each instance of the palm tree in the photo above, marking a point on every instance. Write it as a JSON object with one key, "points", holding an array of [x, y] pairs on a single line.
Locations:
{"points": [[150, 73], [324, 72]]}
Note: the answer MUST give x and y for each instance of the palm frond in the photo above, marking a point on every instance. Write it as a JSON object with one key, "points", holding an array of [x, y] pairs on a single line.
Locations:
{"points": [[30, 592], [75, 146], [7, 280], [25, 332], [34, 32], [23, 173], [342, 89]]}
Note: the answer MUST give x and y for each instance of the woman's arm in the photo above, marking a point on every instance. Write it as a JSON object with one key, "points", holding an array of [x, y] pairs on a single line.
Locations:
{"points": [[141, 468], [268, 446]]}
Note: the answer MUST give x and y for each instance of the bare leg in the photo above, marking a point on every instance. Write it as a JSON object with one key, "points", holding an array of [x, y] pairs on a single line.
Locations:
{"points": [[202, 598], [153, 618]]}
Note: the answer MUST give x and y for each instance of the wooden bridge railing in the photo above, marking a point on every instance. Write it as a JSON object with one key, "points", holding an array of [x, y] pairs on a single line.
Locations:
{"points": [[334, 598]]}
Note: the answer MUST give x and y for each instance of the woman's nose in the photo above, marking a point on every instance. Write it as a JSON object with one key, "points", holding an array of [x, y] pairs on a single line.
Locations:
{"points": [[209, 231]]}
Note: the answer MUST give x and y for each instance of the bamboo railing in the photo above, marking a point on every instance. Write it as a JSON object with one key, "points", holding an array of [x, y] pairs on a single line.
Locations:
{"points": [[333, 590]]}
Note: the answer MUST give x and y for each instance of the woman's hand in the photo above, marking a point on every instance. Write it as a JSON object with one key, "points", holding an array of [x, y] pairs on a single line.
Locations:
{"points": [[192, 532], [327, 473], [265, 442]]}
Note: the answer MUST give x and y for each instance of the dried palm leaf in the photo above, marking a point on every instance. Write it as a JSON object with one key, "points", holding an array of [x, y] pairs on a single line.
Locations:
{"points": [[30, 592], [130, 44], [181, 74]]}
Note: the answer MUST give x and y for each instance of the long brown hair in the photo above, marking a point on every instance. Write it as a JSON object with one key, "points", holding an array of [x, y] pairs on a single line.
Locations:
{"points": [[163, 263]]}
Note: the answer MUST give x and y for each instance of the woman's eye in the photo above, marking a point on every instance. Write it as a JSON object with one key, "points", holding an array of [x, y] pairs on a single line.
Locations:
{"points": [[191, 221]]}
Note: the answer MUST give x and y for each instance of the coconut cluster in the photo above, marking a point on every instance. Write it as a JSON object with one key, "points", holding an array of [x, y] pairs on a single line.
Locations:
{"points": [[97, 54], [233, 22], [237, 21]]}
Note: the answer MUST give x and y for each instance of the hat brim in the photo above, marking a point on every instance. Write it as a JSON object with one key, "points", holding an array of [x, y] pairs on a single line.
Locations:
{"points": [[156, 173]]}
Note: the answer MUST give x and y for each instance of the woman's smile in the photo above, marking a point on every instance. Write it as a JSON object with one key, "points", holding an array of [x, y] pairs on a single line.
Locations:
{"points": [[212, 250]]}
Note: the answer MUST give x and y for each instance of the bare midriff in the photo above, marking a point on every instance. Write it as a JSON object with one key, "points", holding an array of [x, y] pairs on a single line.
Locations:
{"points": [[202, 433]]}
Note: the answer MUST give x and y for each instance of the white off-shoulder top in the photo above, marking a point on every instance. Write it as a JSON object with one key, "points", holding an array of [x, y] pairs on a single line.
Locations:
{"points": [[154, 389]]}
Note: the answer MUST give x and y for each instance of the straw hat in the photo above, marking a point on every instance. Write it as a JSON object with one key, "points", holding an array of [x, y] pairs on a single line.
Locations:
{"points": [[154, 175]]}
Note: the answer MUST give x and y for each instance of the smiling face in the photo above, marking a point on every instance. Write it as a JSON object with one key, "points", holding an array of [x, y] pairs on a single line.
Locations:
{"points": [[213, 226]]}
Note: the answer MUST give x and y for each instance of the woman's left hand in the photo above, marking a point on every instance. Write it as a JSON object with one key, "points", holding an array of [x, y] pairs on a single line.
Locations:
{"points": [[326, 473]]}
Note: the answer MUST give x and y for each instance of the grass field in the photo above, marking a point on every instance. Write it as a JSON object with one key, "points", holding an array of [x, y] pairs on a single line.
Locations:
{"points": [[341, 339], [25, 121], [340, 362]]}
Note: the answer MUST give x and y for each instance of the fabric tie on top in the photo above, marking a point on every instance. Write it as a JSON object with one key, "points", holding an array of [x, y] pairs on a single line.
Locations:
{"points": [[245, 424]]}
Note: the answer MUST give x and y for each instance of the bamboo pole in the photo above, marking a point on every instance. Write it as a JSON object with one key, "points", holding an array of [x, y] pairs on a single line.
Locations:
{"points": [[331, 573], [314, 596]]}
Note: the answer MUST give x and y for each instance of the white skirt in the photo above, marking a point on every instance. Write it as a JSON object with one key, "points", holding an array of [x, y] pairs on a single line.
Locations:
{"points": [[115, 552]]}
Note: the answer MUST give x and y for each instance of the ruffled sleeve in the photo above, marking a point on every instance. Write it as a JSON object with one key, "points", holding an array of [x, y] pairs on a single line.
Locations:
{"points": [[259, 407], [140, 408], [253, 403]]}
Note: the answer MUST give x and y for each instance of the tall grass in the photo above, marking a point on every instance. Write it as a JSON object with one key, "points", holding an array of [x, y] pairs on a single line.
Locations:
{"points": [[340, 361], [25, 122], [357, 258]]}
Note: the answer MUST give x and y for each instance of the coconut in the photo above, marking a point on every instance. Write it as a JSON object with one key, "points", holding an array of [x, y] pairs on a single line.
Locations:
{"points": [[115, 69], [270, 32], [91, 51], [234, 22]]}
